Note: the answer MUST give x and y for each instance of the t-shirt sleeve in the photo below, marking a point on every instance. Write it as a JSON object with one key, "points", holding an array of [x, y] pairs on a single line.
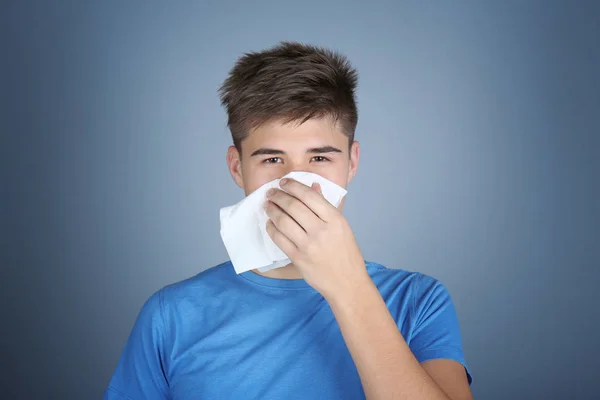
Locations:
{"points": [[140, 371], [436, 333]]}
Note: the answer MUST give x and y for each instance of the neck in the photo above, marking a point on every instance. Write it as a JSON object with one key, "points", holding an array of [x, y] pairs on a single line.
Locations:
{"points": [[288, 272]]}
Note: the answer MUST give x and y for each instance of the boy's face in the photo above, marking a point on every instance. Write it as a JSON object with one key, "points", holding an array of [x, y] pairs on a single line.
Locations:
{"points": [[275, 149]]}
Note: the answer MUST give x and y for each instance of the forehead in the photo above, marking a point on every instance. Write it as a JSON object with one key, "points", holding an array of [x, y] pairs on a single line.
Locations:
{"points": [[308, 132]]}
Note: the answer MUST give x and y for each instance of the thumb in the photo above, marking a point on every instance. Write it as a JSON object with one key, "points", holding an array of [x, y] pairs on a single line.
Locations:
{"points": [[317, 188]]}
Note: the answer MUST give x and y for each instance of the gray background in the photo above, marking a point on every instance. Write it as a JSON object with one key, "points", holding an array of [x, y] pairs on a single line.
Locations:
{"points": [[479, 125]]}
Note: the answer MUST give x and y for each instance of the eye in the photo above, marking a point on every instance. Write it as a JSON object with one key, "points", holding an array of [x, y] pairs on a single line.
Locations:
{"points": [[272, 160], [320, 159]]}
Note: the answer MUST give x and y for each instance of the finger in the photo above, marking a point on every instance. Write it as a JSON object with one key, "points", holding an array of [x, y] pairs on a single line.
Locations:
{"points": [[296, 209], [285, 224], [313, 200], [285, 244], [317, 187]]}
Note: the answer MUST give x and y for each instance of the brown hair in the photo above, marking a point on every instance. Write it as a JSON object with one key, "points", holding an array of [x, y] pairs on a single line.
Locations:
{"points": [[293, 82]]}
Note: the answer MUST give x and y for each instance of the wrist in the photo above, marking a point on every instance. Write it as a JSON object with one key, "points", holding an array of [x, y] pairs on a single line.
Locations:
{"points": [[351, 289]]}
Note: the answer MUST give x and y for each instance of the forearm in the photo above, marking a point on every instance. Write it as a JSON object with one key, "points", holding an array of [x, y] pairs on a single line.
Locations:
{"points": [[385, 363]]}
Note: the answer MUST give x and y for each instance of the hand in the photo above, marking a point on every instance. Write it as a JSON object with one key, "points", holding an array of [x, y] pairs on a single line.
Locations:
{"points": [[316, 237]]}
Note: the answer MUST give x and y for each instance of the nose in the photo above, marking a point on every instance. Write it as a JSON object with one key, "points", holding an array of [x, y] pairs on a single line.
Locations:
{"points": [[296, 166]]}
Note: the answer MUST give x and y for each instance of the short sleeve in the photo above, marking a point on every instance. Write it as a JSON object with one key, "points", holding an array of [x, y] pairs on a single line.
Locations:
{"points": [[140, 371], [436, 332]]}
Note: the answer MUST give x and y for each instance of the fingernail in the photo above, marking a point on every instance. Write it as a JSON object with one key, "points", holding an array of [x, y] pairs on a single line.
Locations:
{"points": [[283, 181], [270, 192]]}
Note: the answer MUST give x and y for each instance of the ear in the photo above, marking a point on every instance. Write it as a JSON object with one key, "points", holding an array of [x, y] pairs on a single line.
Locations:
{"points": [[354, 158], [234, 163]]}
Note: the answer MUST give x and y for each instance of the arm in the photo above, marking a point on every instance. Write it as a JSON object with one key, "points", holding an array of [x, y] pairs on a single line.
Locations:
{"points": [[387, 367], [307, 228], [139, 373]]}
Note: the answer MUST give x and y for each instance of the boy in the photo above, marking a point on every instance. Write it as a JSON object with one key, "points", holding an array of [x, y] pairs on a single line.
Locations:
{"points": [[327, 326]]}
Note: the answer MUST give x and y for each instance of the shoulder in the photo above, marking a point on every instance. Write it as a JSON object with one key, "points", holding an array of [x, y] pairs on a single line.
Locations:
{"points": [[415, 295], [196, 289], [415, 284], [179, 303], [197, 285]]}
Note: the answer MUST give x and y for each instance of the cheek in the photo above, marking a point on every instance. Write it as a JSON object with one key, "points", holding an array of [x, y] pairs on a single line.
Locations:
{"points": [[256, 176], [338, 174]]}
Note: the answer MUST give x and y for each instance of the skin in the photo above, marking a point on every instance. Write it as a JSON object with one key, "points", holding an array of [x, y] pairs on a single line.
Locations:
{"points": [[306, 227], [293, 145]]}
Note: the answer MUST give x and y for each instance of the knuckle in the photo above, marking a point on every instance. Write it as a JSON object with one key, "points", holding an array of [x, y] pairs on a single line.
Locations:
{"points": [[277, 219], [294, 206], [338, 221]]}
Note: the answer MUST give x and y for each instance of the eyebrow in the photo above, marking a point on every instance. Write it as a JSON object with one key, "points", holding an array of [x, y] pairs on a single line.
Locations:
{"points": [[314, 150], [324, 149]]}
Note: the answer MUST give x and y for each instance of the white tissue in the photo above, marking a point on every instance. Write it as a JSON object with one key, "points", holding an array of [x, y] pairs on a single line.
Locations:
{"points": [[243, 226]]}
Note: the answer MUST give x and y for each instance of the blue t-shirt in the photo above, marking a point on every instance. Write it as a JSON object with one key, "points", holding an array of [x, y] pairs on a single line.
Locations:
{"points": [[219, 335]]}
